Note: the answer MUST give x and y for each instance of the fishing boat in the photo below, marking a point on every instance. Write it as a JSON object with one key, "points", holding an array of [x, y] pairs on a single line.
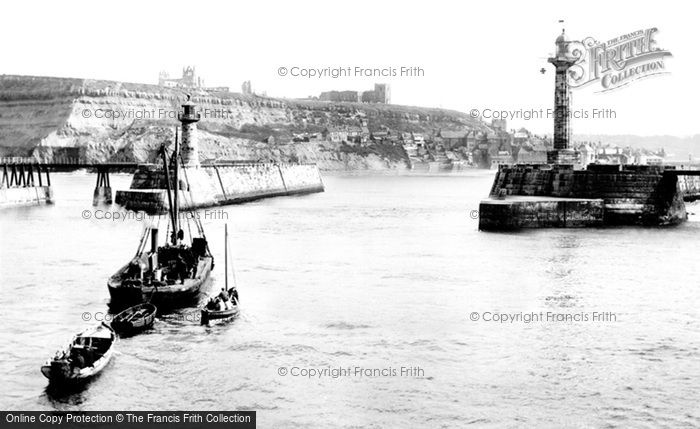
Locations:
{"points": [[134, 319], [224, 305], [88, 353], [172, 275]]}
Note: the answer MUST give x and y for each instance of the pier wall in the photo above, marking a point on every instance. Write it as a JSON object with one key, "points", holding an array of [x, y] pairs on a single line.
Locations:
{"points": [[212, 185], [540, 213], [10, 197], [631, 195]]}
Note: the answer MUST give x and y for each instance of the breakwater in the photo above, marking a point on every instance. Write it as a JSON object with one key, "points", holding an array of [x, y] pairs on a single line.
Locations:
{"points": [[219, 184], [535, 196]]}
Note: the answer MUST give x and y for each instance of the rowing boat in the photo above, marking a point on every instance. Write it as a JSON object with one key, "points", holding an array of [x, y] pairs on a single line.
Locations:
{"points": [[84, 357], [134, 319]]}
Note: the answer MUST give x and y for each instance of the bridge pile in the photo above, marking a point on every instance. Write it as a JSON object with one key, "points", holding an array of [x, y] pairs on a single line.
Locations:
{"points": [[27, 181]]}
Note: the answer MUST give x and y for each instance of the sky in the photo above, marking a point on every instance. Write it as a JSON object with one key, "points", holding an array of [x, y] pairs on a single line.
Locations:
{"points": [[474, 55]]}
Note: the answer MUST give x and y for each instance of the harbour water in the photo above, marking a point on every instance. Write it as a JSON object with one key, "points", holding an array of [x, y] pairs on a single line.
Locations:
{"points": [[379, 272]]}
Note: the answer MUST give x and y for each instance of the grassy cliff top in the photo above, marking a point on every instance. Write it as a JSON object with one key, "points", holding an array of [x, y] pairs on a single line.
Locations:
{"points": [[16, 87]]}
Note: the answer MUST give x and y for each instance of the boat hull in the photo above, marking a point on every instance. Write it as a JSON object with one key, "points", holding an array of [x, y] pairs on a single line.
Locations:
{"points": [[125, 323], [212, 316], [58, 372], [164, 297], [82, 376]]}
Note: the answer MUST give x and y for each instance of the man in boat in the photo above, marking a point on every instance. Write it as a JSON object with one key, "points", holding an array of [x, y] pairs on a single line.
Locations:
{"points": [[233, 293], [212, 304], [89, 355], [226, 299], [181, 268], [190, 260], [134, 270], [77, 359]]}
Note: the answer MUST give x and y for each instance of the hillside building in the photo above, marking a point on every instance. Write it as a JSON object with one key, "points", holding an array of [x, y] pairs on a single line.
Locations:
{"points": [[380, 94], [189, 80]]}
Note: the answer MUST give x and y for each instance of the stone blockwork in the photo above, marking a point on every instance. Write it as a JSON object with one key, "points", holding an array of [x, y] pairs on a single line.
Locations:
{"points": [[631, 195], [211, 185], [11, 197], [539, 212]]}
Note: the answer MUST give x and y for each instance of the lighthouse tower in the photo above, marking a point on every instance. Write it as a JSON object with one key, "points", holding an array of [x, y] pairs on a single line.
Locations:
{"points": [[189, 150], [562, 61]]}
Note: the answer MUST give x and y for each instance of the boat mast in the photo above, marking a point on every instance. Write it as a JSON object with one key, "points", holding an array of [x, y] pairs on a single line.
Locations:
{"points": [[226, 255], [166, 169], [176, 226]]}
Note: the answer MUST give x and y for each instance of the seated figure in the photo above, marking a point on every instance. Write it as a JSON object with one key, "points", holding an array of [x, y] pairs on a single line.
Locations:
{"points": [[211, 305]]}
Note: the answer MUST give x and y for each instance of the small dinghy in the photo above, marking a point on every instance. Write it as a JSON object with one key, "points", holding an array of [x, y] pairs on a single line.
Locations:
{"points": [[224, 305], [87, 354], [134, 319], [220, 309]]}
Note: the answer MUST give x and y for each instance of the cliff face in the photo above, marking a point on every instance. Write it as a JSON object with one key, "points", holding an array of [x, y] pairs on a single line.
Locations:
{"points": [[45, 118]]}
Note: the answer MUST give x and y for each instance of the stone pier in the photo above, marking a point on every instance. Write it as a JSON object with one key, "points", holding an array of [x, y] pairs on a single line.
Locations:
{"points": [[556, 195], [540, 212], [628, 194], [213, 185]]}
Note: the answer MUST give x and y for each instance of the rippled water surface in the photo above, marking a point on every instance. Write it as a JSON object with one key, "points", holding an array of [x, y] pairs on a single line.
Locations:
{"points": [[378, 272]]}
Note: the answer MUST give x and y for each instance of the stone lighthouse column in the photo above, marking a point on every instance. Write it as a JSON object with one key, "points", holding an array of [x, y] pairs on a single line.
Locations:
{"points": [[189, 150], [562, 61]]}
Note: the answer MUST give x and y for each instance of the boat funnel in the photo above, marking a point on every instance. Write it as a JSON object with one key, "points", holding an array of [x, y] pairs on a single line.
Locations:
{"points": [[154, 239]]}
